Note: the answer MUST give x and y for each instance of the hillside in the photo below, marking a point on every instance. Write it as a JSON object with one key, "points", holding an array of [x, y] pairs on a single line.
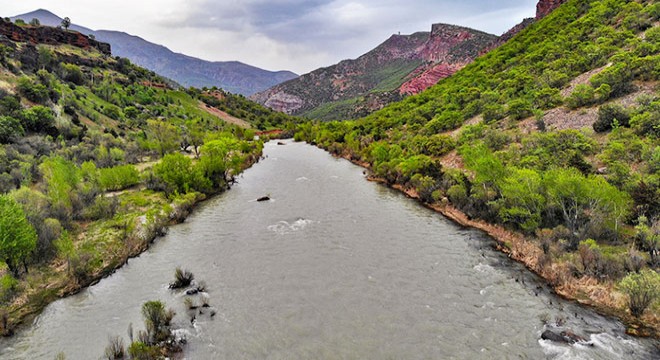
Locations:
{"points": [[97, 157], [403, 64], [232, 76], [551, 143]]}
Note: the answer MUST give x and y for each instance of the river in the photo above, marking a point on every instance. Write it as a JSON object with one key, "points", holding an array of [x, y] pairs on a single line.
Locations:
{"points": [[333, 267]]}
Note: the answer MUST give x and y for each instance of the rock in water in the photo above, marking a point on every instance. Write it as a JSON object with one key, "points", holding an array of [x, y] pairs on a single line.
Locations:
{"points": [[263, 198]]}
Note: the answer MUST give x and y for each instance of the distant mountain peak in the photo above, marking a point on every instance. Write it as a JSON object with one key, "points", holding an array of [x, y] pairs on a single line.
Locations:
{"points": [[232, 76]]}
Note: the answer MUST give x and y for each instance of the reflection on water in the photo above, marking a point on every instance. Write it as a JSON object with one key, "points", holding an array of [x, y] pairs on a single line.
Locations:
{"points": [[333, 267]]}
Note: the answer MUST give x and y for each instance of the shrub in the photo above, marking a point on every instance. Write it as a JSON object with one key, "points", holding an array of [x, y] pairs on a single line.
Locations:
{"points": [[33, 91], [10, 129], [157, 321], [642, 288], [182, 278], [582, 95], [8, 285], [607, 114], [118, 178], [115, 349], [141, 351]]}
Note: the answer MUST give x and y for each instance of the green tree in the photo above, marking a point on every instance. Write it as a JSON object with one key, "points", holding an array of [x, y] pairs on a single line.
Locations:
{"points": [[18, 239], [523, 199], [35, 22], [66, 23], [163, 136], [179, 174], [221, 159], [61, 178], [642, 288], [584, 200]]}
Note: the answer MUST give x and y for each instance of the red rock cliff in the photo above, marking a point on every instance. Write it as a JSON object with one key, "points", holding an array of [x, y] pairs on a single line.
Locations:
{"points": [[545, 7], [50, 35]]}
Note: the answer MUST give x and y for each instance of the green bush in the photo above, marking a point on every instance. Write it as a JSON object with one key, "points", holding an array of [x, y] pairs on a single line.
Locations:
{"points": [[607, 114], [118, 177], [32, 90], [642, 288], [8, 286]]}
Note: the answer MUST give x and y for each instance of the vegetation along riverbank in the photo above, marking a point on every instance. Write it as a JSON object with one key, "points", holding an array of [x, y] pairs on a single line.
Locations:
{"points": [[550, 143], [97, 157]]}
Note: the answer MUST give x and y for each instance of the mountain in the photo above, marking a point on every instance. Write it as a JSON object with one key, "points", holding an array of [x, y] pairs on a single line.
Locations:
{"points": [[402, 65], [550, 143], [232, 76]]}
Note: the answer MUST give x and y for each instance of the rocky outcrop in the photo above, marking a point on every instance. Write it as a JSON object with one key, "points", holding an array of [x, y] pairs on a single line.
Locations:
{"points": [[545, 7], [50, 36], [402, 65], [429, 77]]}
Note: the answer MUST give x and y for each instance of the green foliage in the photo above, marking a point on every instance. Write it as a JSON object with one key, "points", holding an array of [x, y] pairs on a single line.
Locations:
{"points": [[157, 321], [10, 129], [62, 178], [163, 136], [179, 175], [39, 119], [72, 73], [17, 237], [8, 286], [32, 90], [609, 114], [118, 177], [582, 95], [642, 288], [221, 159], [141, 351], [523, 199], [520, 109]]}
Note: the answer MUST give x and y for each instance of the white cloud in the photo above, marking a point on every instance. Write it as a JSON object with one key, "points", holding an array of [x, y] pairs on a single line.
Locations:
{"points": [[299, 35]]}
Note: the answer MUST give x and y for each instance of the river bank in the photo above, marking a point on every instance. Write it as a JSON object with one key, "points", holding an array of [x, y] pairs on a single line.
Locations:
{"points": [[115, 242], [602, 297]]}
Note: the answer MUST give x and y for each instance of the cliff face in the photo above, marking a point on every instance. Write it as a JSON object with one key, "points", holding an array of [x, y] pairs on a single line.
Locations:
{"points": [[545, 7], [403, 64], [51, 36], [448, 50]]}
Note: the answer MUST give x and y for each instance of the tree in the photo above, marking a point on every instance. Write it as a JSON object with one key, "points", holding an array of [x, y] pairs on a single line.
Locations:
{"points": [[642, 288], [66, 22], [35, 22], [584, 200], [18, 239], [163, 136], [522, 199], [179, 175], [220, 158]]}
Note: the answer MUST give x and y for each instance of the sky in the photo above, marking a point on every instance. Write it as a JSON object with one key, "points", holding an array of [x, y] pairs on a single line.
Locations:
{"points": [[296, 35]]}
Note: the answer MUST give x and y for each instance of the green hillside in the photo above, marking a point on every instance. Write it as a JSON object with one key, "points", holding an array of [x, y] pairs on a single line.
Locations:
{"points": [[554, 135], [97, 157]]}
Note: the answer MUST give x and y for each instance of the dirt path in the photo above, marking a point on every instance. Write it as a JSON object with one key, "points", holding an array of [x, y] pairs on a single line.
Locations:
{"points": [[224, 116]]}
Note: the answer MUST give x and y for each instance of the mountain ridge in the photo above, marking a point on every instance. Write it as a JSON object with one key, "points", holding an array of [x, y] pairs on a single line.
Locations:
{"points": [[401, 65], [233, 76]]}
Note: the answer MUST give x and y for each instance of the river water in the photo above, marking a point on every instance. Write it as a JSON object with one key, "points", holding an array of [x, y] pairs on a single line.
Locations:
{"points": [[333, 267]]}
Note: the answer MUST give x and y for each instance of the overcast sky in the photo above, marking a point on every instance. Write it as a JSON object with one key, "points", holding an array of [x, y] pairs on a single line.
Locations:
{"points": [[296, 35]]}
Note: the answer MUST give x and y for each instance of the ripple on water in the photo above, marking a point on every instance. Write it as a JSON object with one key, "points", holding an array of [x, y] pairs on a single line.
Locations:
{"points": [[284, 227]]}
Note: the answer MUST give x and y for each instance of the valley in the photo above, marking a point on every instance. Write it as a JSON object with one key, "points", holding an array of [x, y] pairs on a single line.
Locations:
{"points": [[540, 147]]}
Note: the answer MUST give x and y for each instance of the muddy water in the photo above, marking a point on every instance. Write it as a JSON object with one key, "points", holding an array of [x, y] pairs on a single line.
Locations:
{"points": [[333, 267]]}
